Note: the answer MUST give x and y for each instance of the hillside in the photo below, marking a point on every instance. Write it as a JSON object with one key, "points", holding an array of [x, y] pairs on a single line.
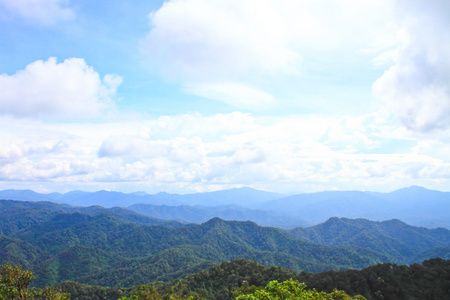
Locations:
{"points": [[395, 238], [19, 215], [104, 250]]}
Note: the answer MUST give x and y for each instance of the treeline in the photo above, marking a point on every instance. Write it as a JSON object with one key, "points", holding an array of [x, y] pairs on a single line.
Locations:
{"points": [[429, 280], [15, 284], [231, 280]]}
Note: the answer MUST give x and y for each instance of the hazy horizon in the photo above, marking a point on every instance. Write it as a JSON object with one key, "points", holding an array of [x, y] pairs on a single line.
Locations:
{"points": [[221, 190]]}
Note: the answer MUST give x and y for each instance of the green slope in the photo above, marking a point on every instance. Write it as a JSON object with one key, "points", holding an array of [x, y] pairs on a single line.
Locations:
{"points": [[393, 237], [18, 252], [94, 247]]}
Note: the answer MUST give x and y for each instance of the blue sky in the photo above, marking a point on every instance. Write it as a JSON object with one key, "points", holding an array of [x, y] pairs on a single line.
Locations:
{"points": [[198, 95]]}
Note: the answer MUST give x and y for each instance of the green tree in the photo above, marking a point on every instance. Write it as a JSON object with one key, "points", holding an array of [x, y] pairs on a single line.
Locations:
{"points": [[14, 282], [292, 289]]}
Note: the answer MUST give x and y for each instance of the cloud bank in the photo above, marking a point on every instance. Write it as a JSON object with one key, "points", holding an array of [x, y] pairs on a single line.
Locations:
{"points": [[185, 154]]}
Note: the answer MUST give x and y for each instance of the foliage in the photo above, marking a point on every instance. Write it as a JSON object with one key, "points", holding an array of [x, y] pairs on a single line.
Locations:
{"points": [[228, 280], [15, 282], [431, 280], [150, 292], [49, 293], [292, 289], [80, 291]]}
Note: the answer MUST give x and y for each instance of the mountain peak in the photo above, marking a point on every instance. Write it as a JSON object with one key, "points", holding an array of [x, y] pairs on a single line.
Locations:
{"points": [[413, 189], [215, 220]]}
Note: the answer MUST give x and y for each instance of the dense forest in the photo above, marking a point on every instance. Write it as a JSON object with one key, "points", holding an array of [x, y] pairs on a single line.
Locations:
{"points": [[429, 280], [102, 249], [241, 277]]}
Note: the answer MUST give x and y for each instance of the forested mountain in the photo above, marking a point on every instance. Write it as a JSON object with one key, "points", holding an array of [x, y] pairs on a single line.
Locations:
{"points": [[395, 238], [119, 247], [17, 215], [103, 250]]}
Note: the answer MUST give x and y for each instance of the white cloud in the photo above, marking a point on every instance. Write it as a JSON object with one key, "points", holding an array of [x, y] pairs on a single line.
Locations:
{"points": [[189, 153], [246, 44], [416, 88], [201, 38], [45, 12], [57, 90]]}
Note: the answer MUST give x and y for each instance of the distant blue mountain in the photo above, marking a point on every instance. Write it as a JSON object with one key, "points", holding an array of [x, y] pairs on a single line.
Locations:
{"points": [[414, 205], [200, 214], [27, 195], [239, 196]]}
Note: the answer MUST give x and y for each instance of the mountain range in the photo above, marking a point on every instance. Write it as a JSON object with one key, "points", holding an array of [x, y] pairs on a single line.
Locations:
{"points": [[414, 205], [118, 247]]}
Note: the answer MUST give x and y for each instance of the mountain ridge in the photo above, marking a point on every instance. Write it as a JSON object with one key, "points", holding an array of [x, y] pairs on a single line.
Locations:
{"points": [[414, 205], [58, 239], [400, 240]]}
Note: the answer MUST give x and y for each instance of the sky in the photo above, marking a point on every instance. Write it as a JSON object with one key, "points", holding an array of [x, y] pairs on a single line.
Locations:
{"points": [[189, 96]]}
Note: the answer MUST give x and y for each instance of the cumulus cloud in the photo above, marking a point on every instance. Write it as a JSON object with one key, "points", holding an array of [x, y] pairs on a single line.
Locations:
{"points": [[219, 38], [57, 90], [417, 87], [45, 12], [185, 154], [288, 153]]}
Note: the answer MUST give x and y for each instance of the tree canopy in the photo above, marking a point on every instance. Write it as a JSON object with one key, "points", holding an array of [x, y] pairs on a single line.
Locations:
{"points": [[292, 289]]}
